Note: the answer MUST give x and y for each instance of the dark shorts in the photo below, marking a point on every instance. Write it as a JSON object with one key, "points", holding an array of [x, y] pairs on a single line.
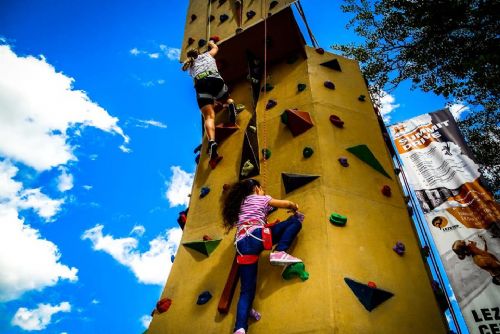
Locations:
{"points": [[210, 89]]}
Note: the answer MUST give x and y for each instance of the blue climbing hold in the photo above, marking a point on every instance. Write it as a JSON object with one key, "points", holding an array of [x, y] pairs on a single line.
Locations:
{"points": [[204, 191], [204, 297]]}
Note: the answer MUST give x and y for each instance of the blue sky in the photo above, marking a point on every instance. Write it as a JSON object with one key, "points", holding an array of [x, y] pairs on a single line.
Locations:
{"points": [[97, 131]]}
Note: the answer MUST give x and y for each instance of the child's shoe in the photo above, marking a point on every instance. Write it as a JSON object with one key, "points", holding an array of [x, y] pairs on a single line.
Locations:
{"points": [[282, 258], [240, 331], [255, 314]]}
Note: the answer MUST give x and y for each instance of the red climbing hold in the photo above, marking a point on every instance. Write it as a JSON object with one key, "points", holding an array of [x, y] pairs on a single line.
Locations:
{"points": [[372, 285], [214, 162], [386, 191], [226, 187], [320, 51], [206, 238], [336, 121], [215, 38], [298, 121], [163, 305], [329, 85], [224, 130]]}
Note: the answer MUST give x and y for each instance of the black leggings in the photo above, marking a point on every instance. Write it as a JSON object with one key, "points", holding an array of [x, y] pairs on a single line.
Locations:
{"points": [[209, 89]]}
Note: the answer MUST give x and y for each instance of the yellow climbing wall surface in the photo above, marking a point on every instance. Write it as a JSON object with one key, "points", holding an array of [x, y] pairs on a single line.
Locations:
{"points": [[362, 250]]}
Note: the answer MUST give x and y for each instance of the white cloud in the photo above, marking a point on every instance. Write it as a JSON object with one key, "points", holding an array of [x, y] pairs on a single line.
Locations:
{"points": [[171, 53], [147, 123], [149, 267], [95, 301], [93, 157], [38, 318], [65, 180], [28, 261], [146, 320], [457, 109], [155, 55], [179, 187], [87, 187], [39, 106], [160, 82], [135, 51], [138, 230], [388, 105]]}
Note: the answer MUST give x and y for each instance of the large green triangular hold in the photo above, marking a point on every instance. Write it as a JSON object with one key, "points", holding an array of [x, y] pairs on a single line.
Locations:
{"points": [[364, 153], [333, 64], [294, 181], [368, 296], [202, 246]]}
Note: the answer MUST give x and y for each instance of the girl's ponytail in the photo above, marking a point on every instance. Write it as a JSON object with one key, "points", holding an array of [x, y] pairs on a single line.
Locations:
{"points": [[232, 202]]}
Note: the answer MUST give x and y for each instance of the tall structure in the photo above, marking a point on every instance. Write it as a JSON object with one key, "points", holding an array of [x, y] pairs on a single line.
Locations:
{"points": [[325, 104]]}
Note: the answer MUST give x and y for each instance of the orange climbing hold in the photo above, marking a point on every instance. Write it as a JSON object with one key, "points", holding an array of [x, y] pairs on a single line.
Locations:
{"points": [[298, 121], [224, 130]]}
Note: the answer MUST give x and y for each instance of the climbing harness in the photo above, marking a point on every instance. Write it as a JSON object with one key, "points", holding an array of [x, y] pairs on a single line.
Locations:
{"points": [[245, 231]]}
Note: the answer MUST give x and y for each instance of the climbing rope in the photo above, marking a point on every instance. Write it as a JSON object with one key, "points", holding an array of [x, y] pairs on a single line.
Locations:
{"points": [[264, 124], [209, 13], [309, 31], [421, 227]]}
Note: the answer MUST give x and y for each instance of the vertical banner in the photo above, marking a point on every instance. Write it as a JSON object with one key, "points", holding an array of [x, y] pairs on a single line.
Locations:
{"points": [[461, 213]]}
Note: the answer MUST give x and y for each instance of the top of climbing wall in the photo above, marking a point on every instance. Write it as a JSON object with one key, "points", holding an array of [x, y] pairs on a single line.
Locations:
{"points": [[241, 29]]}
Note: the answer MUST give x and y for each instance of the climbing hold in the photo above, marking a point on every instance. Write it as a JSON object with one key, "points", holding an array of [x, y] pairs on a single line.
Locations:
{"points": [[301, 87], [202, 43], [273, 4], [294, 181], [295, 270], [338, 220], [361, 98], [223, 18], [266, 153], [172, 258], [320, 51], [336, 121], [368, 296], [190, 40], [284, 118], [206, 238], [163, 305], [410, 209], [226, 187], [397, 171], [197, 158], [240, 107], [270, 104], [292, 59], [364, 153], [193, 17], [333, 64], [221, 2], [407, 199], [250, 14], [214, 38], [371, 284], [297, 121], [224, 130], [204, 297], [197, 149], [202, 246], [329, 84], [247, 168], [204, 191], [252, 128], [215, 161], [307, 152], [211, 18], [425, 251], [386, 191], [343, 161], [399, 248], [268, 87], [182, 219], [239, 30]]}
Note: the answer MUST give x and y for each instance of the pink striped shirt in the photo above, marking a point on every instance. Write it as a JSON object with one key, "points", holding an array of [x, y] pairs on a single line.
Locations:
{"points": [[253, 211]]}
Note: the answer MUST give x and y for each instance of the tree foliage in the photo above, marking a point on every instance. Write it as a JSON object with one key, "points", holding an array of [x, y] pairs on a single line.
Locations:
{"points": [[448, 47]]}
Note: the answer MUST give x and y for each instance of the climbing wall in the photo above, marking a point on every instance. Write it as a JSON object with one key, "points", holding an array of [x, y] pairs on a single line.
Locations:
{"points": [[328, 155]]}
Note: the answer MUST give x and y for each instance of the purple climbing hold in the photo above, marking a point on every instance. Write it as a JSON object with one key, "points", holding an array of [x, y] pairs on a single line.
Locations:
{"points": [[343, 161], [336, 121], [223, 18], [270, 104], [197, 158], [399, 248], [211, 18], [201, 43], [320, 51], [273, 4], [329, 85], [250, 14]]}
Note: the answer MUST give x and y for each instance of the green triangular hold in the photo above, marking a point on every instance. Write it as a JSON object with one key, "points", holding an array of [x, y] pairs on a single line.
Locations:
{"points": [[294, 181], [295, 270], [333, 64], [364, 153], [204, 247], [368, 296]]}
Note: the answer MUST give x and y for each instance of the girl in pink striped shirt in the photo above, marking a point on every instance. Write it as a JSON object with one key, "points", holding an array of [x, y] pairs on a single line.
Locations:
{"points": [[246, 206]]}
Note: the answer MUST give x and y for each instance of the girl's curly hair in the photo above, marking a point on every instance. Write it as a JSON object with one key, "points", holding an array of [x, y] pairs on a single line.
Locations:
{"points": [[232, 202]]}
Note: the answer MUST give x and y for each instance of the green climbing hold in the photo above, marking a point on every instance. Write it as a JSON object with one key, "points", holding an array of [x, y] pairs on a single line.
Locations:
{"points": [[295, 270], [361, 98], [301, 87], [364, 153], [240, 107], [284, 117], [307, 152], [337, 219], [266, 153], [203, 246]]}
